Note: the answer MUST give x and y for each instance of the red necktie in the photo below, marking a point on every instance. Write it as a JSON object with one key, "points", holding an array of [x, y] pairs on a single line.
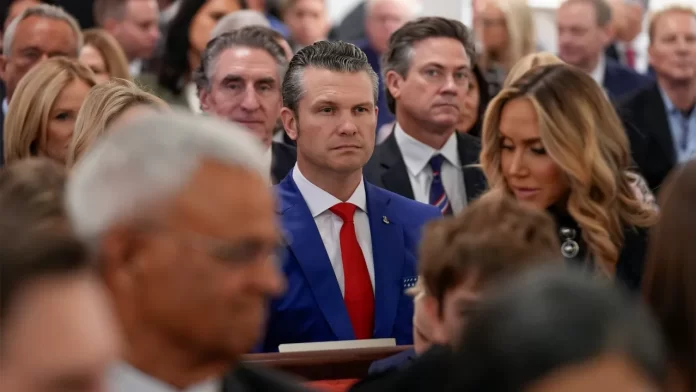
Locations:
{"points": [[358, 296], [630, 57]]}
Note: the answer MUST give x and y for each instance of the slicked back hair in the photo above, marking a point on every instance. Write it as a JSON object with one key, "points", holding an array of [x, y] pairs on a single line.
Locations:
{"points": [[338, 56]]}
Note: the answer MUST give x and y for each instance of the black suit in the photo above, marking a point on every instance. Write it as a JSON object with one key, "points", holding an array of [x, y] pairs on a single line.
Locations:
{"points": [[387, 168], [250, 378], [649, 132], [284, 158]]}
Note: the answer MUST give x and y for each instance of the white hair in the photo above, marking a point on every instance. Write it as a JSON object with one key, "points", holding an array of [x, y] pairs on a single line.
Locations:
{"points": [[42, 11], [413, 6], [138, 166], [237, 20]]}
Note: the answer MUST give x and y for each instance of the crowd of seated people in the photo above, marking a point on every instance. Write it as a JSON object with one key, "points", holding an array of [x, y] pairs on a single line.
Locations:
{"points": [[222, 195]]}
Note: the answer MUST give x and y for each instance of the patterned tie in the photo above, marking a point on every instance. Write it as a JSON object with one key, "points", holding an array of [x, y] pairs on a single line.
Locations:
{"points": [[438, 197], [358, 297], [684, 141]]}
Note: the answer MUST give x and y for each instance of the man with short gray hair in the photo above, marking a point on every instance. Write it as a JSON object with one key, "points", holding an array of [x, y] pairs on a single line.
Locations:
{"points": [[239, 80], [353, 247], [38, 33], [178, 213]]}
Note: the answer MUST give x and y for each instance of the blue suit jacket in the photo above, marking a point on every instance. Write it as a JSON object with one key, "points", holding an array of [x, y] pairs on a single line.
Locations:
{"points": [[620, 81], [312, 308]]}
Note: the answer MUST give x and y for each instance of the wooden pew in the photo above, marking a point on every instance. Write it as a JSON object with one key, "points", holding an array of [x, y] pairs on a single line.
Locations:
{"points": [[348, 364]]}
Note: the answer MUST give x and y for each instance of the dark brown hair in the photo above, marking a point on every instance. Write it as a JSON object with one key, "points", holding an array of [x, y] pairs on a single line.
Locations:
{"points": [[398, 55], [668, 283], [495, 237]]}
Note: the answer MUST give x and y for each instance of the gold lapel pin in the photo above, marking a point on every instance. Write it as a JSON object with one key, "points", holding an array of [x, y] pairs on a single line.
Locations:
{"points": [[385, 220]]}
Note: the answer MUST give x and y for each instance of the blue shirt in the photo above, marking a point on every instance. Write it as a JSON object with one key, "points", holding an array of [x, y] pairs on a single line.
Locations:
{"points": [[676, 120]]}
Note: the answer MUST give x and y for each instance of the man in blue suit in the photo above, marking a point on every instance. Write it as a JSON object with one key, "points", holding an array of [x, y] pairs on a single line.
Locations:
{"points": [[352, 246], [584, 31]]}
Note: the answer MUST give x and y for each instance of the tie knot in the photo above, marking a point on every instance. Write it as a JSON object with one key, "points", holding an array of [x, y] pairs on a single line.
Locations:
{"points": [[345, 211], [436, 163]]}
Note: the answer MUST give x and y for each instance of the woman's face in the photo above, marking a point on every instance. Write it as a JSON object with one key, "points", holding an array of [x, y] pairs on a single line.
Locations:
{"points": [[470, 107], [495, 34], [92, 58], [205, 20], [61, 120], [531, 175]]}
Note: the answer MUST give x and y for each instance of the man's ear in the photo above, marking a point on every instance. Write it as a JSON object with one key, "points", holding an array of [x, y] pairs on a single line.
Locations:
{"points": [[204, 97], [118, 257], [287, 116], [3, 65], [394, 82], [110, 25]]}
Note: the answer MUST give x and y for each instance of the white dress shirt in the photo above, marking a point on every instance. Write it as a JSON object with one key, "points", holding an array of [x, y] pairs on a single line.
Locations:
{"points": [[5, 106], [191, 94], [598, 73], [125, 378], [319, 201], [417, 157], [135, 67]]}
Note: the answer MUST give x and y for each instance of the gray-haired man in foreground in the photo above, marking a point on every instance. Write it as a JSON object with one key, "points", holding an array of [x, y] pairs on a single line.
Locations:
{"points": [[180, 215]]}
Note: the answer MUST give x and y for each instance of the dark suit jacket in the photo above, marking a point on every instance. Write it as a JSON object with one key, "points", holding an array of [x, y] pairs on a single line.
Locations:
{"points": [[387, 168], [352, 27], [620, 81], [284, 158], [312, 309], [250, 378], [645, 119], [384, 115]]}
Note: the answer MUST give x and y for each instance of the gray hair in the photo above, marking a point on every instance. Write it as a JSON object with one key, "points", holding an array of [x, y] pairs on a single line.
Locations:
{"points": [[400, 50], [256, 37], [333, 56], [137, 166], [46, 11], [237, 20]]}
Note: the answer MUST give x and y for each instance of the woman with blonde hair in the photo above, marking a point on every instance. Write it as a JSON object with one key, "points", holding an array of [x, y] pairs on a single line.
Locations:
{"points": [[115, 101], [507, 34], [528, 62], [42, 113], [104, 56], [553, 140]]}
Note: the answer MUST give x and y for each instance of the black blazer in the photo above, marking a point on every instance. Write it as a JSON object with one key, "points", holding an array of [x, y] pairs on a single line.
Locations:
{"points": [[387, 168], [645, 119], [284, 158], [250, 378]]}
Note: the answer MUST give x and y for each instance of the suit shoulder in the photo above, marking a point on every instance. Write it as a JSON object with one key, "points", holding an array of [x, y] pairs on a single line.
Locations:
{"points": [[414, 211], [282, 148], [469, 140]]}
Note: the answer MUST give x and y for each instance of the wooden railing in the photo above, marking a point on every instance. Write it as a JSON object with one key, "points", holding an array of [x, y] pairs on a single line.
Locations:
{"points": [[325, 365]]}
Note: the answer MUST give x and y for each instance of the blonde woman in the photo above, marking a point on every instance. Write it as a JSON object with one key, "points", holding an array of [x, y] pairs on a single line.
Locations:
{"points": [[553, 140], [42, 113], [507, 35], [104, 56], [115, 101], [528, 62]]}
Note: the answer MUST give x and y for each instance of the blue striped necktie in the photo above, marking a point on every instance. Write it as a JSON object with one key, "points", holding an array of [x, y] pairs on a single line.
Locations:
{"points": [[438, 197]]}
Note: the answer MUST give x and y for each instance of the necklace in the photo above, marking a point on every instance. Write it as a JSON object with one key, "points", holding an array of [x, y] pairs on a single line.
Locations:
{"points": [[569, 247]]}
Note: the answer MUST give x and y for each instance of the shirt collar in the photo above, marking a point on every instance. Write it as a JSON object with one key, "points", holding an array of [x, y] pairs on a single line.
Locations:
{"points": [[318, 200], [598, 73], [5, 106], [669, 105], [124, 377], [417, 154]]}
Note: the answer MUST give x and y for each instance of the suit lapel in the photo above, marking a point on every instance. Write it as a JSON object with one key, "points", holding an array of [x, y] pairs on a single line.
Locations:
{"points": [[659, 123], [309, 250], [388, 256], [469, 150], [394, 175]]}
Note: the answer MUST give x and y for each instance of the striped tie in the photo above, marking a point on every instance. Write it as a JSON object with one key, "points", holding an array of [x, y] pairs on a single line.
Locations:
{"points": [[438, 197]]}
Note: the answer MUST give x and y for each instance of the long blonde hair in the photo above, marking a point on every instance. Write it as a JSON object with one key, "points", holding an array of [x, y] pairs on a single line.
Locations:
{"points": [[528, 62], [103, 104], [584, 136], [28, 114], [114, 58], [519, 21]]}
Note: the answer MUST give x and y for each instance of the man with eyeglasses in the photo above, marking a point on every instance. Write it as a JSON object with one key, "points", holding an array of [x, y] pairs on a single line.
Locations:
{"points": [[180, 215]]}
